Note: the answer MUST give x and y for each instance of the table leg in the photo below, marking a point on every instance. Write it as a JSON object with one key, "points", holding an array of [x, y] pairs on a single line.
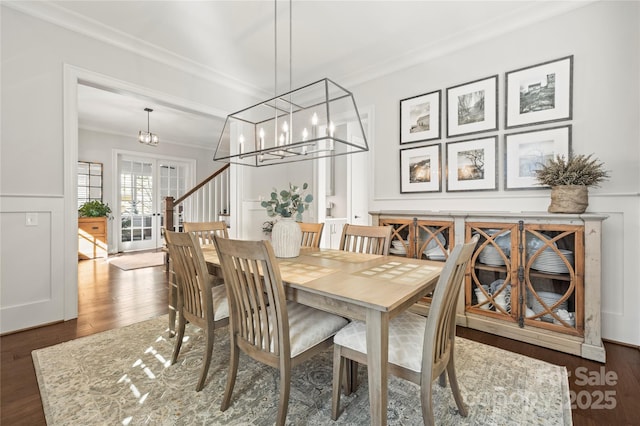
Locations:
{"points": [[377, 358]]}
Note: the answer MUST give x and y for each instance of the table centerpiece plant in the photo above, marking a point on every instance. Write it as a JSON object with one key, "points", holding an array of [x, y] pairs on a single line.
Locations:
{"points": [[287, 204], [569, 179]]}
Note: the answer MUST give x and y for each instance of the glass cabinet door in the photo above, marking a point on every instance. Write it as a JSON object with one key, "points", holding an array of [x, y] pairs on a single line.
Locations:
{"points": [[492, 282], [552, 284], [434, 239]]}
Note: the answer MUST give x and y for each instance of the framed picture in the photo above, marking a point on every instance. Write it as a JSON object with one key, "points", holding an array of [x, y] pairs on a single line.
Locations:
{"points": [[472, 107], [420, 117], [420, 169], [526, 152], [472, 165], [539, 94]]}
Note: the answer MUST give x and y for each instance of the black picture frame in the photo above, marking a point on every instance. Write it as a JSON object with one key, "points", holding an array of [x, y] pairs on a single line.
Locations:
{"points": [[527, 151], [472, 165], [541, 93], [420, 117], [420, 169], [472, 107]]}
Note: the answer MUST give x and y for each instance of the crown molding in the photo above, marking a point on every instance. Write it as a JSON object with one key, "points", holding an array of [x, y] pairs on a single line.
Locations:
{"points": [[57, 15], [499, 26]]}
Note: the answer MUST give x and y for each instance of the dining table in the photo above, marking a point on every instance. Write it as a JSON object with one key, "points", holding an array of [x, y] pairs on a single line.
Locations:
{"points": [[365, 287]]}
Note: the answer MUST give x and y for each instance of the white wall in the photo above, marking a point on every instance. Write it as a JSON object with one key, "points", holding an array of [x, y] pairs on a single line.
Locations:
{"points": [[604, 39], [33, 160]]}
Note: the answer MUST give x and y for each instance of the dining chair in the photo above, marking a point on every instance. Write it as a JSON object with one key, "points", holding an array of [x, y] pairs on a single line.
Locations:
{"points": [[311, 234], [420, 349], [200, 301], [263, 324], [366, 239], [206, 230]]}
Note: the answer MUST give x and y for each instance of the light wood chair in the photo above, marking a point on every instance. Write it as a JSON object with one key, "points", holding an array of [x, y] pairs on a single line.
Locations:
{"points": [[200, 302], [420, 349], [263, 324], [205, 231], [366, 239], [311, 234]]}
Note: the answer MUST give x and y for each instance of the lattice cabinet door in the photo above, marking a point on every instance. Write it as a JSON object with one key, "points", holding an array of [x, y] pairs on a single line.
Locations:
{"points": [[492, 284], [402, 237], [531, 274], [552, 275], [434, 239]]}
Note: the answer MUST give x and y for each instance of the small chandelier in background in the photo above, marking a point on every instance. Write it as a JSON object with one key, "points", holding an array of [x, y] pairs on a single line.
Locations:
{"points": [[148, 137]]}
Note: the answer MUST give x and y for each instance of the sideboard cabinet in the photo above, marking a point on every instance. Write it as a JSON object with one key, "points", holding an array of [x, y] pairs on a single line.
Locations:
{"points": [[92, 237], [533, 277]]}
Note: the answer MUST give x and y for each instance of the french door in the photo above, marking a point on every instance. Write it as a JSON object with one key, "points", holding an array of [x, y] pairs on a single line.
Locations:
{"points": [[142, 185]]}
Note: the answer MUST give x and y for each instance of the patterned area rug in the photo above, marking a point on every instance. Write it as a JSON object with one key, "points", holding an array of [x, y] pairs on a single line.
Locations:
{"points": [[123, 376], [137, 261]]}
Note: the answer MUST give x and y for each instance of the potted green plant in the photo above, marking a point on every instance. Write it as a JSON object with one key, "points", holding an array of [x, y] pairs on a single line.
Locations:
{"points": [[569, 180], [94, 208], [287, 204]]}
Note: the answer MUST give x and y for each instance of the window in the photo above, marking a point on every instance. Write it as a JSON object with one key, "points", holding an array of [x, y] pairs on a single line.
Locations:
{"points": [[89, 182]]}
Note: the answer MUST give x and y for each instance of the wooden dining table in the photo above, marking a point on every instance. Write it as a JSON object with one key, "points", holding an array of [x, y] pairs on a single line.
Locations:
{"points": [[370, 288]]}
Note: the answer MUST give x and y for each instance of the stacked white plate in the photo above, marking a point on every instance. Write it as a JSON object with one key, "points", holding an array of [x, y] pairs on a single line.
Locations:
{"points": [[549, 298], [435, 254], [398, 247], [491, 256], [432, 244], [550, 261]]}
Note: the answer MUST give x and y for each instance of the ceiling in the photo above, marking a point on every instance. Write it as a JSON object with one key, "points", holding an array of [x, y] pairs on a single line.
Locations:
{"points": [[232, 42]]}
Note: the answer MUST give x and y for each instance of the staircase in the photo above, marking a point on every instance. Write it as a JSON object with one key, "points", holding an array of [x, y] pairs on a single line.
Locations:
{"points": [[203, 203]]}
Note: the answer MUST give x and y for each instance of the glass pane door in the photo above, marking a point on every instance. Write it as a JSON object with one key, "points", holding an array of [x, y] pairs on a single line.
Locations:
{"points": [[138, 205]]}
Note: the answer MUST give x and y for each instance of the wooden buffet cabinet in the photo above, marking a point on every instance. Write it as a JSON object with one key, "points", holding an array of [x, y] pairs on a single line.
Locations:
{"points": [[92, 237], [534, 277]]}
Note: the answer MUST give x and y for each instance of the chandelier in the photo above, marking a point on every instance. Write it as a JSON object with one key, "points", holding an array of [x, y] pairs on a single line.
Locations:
{"points": [[318, 120], [148, 137]]}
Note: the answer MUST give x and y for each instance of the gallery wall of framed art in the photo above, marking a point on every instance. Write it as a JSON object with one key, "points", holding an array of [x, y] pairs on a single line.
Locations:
{"points": [[535, 96]]}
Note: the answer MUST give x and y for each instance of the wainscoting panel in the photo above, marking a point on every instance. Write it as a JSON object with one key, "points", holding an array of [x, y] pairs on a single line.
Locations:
{"points": [[31, 262]]}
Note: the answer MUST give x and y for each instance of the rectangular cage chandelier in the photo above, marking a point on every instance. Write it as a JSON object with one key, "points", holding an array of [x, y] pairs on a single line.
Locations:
{"points": [[318, 120]]}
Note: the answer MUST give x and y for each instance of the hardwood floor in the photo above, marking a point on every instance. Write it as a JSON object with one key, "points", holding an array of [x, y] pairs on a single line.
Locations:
{"points": [[110, 297]]}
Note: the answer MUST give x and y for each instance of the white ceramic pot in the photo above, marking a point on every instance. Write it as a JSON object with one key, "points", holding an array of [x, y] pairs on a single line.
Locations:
{"points": [[286, 237]]}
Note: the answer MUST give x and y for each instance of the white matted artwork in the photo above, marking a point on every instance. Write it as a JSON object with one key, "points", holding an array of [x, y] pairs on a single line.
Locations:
{"points": [[526, 152], [472, 165], [472, 107], [420, 169], [540, 93], [420, 117]]}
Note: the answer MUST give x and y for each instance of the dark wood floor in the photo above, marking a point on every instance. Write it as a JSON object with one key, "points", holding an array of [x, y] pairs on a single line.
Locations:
{"points": [[111, 298]]}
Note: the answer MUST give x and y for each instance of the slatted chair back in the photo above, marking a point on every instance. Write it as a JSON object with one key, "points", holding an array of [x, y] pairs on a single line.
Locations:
{"points": [[440, 331], [205, 231], [199, 301], [311, 234], [366, 239], [263, 324]]}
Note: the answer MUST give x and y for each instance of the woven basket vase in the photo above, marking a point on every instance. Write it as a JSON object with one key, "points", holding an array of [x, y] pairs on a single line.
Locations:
{"points": [[569, 199]]}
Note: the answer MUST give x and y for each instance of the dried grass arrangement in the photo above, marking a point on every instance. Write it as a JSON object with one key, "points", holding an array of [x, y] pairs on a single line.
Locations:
{"points": [[569, 181], [577, 170]]}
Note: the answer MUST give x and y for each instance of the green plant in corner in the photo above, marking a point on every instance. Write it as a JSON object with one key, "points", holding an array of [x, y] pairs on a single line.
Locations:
{"points": [[576, 170], [94, 208], [288, 202]]}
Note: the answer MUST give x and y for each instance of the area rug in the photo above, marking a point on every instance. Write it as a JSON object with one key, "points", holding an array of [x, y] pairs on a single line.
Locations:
{"points": [[123, 376], [137, 261]]}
